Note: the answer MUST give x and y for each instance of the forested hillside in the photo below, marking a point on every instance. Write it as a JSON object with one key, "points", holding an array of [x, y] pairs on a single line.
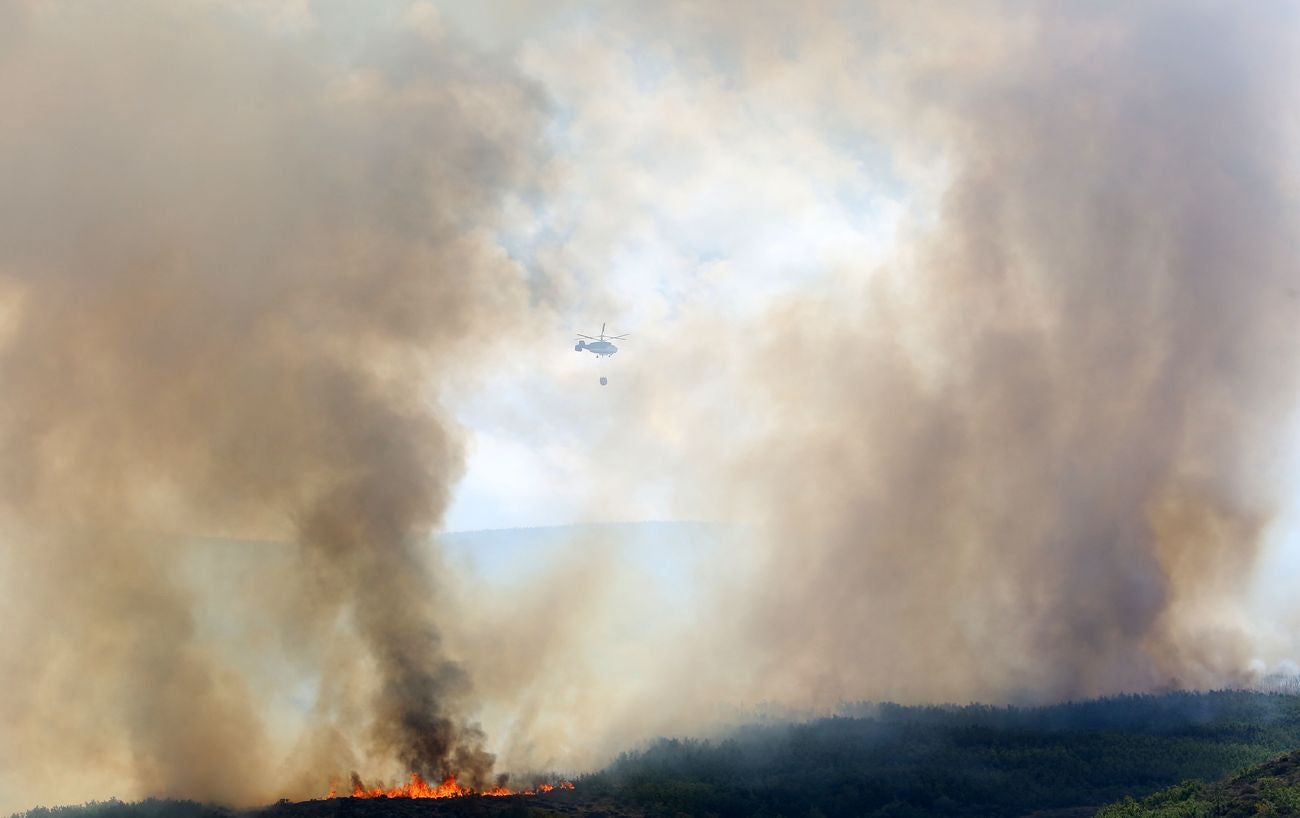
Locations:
{"points": [[972, 760]]}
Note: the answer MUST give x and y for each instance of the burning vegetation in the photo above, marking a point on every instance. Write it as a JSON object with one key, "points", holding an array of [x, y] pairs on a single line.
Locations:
{"points": [[449, 787]]}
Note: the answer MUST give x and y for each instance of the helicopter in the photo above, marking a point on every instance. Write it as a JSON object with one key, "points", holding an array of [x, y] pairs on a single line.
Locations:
{"points": [[600, 346]]}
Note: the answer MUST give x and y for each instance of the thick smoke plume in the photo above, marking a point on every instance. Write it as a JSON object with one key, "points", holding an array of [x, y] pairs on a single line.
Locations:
{"points": [[1034, 455], [230, 262]]}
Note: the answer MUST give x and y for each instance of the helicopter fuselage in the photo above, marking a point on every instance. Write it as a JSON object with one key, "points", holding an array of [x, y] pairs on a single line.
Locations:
{"points": [[599, 348]]}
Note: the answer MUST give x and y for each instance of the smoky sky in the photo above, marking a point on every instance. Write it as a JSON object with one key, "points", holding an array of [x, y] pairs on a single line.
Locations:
{"points": [[249, 259], [1033, 453], [1029, 451]]}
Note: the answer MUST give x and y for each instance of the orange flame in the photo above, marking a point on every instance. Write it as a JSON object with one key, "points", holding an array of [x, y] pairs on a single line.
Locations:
{"points": [[417, 787]]}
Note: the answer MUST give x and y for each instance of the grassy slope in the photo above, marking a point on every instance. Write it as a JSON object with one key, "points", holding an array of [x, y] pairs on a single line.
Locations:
{"points": [[1271, 788]]}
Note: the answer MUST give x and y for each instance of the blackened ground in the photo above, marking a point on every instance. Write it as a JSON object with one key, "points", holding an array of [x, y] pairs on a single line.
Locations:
{"points": [[545, 805]]}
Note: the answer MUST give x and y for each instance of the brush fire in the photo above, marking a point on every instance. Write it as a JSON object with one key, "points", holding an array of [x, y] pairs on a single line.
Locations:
{"points": [[418, 787]]}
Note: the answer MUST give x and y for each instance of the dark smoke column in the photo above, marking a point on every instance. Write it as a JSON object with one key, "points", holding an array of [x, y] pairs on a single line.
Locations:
{"points": [[232, 263]]}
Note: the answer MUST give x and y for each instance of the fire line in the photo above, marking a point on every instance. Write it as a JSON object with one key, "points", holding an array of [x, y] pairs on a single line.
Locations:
{"points": [[417, 787]]}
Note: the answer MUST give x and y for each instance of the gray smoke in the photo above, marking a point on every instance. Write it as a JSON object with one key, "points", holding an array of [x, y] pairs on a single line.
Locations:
{"points": [[1033, 457]]}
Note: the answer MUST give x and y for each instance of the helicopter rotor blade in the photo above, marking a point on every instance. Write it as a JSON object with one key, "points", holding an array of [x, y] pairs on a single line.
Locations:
{"points": [[617, 337], [588, 337]]}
